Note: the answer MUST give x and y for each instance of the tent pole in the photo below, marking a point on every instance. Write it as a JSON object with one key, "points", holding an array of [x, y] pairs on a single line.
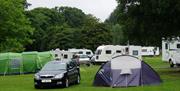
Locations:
{"points": [[126, 81], [141, 75], [6, 65], [22, 66]]}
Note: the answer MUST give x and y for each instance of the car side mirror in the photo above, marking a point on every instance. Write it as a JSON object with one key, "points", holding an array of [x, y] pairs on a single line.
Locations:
{"points": [[69, 67]]}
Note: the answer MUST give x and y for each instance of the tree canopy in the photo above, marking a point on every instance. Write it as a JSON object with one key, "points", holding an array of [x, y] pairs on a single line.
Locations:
{"points": [[145, 22], [15, 28], [66, 27]]}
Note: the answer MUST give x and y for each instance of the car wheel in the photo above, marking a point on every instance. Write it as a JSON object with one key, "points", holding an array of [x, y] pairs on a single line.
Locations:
{"points": [[36, 87], [178, 65], [88, 64], [93, 63], [66, 83], [78, 79], [171, 64]]}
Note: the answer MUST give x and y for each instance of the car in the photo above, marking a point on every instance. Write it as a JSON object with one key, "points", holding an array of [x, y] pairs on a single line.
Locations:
{"points": [[84, 59], [57, 73]]}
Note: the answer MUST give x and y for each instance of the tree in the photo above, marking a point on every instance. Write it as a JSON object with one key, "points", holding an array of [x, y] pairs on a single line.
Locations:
{"points": [[145, 22], [117, 35], [15, 28], [66, 27]]}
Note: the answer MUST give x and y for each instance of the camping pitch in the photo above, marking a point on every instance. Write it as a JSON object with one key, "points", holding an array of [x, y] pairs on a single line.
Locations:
{"points": [[124, 71]]}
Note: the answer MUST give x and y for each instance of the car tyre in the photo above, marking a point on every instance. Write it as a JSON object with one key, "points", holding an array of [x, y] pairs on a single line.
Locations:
{"points": [[66, 84], [171, 64], [78, 79], [178, 65], [36, 87], [88, 64]]}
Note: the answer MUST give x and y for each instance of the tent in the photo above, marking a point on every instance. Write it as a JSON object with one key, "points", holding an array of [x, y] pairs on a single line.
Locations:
{"points": [[26, 62], [45, 57], [124, 71], [34, 61], [30, 62], [10, 63]]}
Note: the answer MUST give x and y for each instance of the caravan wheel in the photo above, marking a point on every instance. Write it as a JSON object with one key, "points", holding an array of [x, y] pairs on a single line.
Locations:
{"points": [[171, 64]]}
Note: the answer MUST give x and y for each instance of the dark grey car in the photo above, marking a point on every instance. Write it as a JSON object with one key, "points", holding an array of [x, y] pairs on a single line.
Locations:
{"points": [[57, 73]]}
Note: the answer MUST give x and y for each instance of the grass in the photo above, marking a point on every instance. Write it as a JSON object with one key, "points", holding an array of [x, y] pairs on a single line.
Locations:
{"points": [[170, 77]]}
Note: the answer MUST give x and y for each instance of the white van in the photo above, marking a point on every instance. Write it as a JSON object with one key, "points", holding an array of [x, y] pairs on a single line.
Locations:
{"points": [[87, 52], [171, 51], [150, 51], [106, 52]]}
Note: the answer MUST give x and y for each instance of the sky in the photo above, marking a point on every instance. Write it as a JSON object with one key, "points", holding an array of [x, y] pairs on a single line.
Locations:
{"points": [[99, 8]]}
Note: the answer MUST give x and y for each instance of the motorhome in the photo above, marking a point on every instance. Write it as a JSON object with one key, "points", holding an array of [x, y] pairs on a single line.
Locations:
{"points": [[171, 51], [106, 52], [63, 55], [87, 52], [150, 51]]}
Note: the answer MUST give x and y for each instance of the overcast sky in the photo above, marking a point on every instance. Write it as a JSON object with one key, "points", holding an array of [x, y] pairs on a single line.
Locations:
{"points": [[99, 8]]}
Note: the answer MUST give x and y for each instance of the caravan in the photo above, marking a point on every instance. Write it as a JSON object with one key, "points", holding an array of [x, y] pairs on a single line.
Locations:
{"points": [[63, 55], [150, 51], [87, 52], [106, 52], [171, 51]]}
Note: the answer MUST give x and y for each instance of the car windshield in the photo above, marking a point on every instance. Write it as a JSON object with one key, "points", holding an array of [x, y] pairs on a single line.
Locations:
{"points": [[54, 66]]}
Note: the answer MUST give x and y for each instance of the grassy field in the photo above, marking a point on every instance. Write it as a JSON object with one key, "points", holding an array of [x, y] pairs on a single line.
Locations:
{"points": [[170, 77]]}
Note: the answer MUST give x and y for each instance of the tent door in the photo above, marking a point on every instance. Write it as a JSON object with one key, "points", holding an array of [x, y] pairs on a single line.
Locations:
{"points": [[15, 66]]}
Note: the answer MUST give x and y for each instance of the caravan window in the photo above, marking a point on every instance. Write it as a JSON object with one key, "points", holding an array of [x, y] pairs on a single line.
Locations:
{"points": [[98, 52], [178, 45], [144, 50], [135, 52], [108, 51], [166, 46], [65, 56], [127, 50], [56, 55], [80, 52], [118, 51], [88, 52]]}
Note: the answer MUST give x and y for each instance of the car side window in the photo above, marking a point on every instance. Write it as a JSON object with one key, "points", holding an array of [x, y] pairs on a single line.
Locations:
{"points": [[71, 65]]}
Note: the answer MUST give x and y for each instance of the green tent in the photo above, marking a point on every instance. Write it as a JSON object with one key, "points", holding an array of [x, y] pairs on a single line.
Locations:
{"points": [[45, 57], [10, 63], [30, 62], [34, 61], [26, 62]]}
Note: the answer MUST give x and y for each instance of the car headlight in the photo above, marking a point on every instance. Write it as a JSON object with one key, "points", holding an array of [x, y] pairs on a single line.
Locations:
{"points": [[36, 76], [59, 76]]}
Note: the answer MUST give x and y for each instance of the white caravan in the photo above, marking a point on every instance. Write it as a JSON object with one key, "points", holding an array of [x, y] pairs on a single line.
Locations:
{"points": [[171, 51], [81, 52], [63, 55], [106, 52], [150, 51]]}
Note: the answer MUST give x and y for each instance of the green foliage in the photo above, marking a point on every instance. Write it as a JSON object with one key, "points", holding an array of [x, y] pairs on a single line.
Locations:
{"points": [[95, 35], [117, 35], [145, 22], [65, 27], [15, 28]]}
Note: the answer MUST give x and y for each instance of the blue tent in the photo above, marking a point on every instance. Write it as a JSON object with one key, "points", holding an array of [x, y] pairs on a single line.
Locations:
{"points": [[124, 71]]}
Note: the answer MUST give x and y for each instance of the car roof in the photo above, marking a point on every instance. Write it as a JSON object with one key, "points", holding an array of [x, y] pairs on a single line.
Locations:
{"points": [[55, 61]]}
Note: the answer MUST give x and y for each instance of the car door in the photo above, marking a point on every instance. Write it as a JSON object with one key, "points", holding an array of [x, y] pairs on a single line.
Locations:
{"points": [[71, 72], [74, 71]]}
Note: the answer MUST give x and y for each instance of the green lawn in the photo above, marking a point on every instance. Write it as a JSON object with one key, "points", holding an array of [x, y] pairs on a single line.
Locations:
{"points": [[170, 77]]}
